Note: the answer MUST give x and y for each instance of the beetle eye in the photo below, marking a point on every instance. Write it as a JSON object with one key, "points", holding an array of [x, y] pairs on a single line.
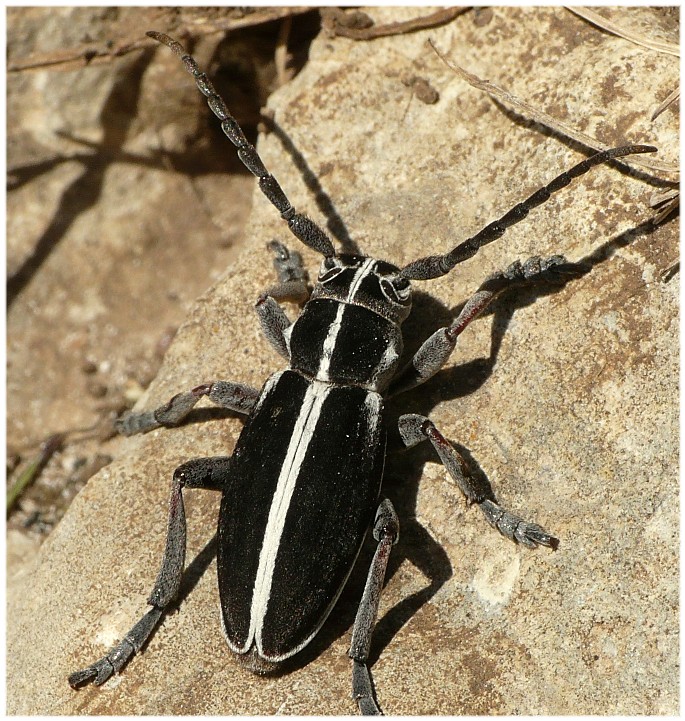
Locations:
{"points": [[330, 267], [396, 290], [401, 284]]}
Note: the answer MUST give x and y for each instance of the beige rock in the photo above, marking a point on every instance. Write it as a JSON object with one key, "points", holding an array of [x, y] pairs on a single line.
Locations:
{"points": [[566, 399]]}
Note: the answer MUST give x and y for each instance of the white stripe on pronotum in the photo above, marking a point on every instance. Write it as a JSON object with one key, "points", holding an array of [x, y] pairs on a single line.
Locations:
{"points": [[365, 269], [329, 345]]}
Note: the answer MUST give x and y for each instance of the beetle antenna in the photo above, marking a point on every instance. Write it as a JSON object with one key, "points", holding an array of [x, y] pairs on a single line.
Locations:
{"points": [[434, 266], [303, 228]]}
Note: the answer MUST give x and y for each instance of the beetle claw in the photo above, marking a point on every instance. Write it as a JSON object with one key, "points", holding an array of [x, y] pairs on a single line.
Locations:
{"points": [[98, 673], [532, 535]]}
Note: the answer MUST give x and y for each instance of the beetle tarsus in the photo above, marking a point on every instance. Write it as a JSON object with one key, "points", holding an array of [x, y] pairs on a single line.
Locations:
{"points": [[515, 528], [386, 530], [236, 397], [292, 276], [104, 669], [81, 678], [363, 691], [118, 656], [415, 428]]}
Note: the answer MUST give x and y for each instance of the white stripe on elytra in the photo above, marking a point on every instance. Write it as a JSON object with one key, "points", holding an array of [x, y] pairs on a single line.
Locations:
{"points": [[270, 383], [386, 366], [329, 344], [303, 432]]}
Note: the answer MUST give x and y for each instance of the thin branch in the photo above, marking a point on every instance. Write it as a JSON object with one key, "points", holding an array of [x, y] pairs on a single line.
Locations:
{"points": [[672, 98], [545, 119], [78, 57], [74, 57], [335, 25], [596, 19]]}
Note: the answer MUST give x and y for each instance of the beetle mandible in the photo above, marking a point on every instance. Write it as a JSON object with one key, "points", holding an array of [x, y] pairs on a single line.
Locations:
{"points": [[323, 416]]}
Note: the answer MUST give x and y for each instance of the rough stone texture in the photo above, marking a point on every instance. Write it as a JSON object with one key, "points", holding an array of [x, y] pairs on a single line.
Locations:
{"points": [[102, 266], [567, 399]]}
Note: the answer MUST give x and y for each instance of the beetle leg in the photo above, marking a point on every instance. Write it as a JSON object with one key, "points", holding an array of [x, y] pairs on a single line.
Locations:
{"points": [[292, 276], [436, 350], [237, 397], [386, 530], [415, 428], [274, 322], [206, 473], [292, 286]]}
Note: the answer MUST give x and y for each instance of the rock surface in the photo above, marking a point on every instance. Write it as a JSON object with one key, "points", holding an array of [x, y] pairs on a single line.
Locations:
{"points": [[567, 399]]}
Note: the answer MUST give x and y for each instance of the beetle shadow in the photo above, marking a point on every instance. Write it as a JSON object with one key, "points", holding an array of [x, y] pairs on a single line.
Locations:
{"points": [[646, 175], [83, 192], [334, 223]]}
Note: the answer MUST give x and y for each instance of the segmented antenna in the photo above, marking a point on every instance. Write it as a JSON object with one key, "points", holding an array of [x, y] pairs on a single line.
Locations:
{"points": [[303, 228], [434, 266]]}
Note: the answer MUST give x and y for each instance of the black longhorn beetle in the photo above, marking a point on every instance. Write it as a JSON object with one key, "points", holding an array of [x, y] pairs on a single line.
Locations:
{"points": [[312, 451]]}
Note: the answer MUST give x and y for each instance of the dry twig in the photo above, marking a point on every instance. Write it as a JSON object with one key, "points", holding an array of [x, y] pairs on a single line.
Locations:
{"points": [[92, 54], [334, 24], [600, 21], [545, 119], [672, 98]]}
